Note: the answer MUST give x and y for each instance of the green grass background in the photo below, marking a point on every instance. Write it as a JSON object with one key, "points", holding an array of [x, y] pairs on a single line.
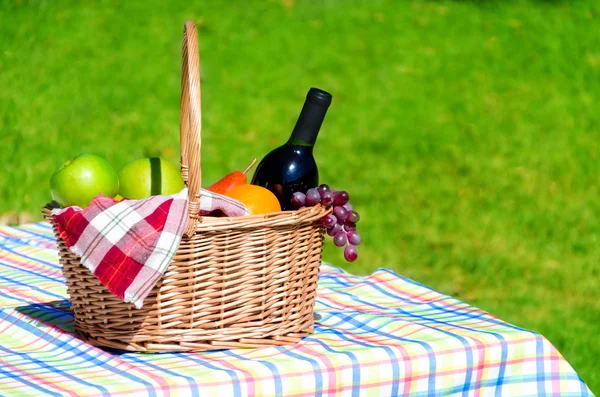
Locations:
{"points": [[466, 132]]}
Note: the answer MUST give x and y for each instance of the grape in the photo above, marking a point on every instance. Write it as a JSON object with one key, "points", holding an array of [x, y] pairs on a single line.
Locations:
{"points": [[327, 199], [340, 239], [353, 216], [298, 199], [350, 253], [349, 226], [340, 213], [354, 237], [329, 220], [323, 188], [312, 197], [341, 198], [341, 223], [335, 229]]}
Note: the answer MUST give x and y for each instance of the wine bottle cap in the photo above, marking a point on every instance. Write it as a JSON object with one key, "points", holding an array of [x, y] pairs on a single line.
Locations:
{"points": [[319, 97]]}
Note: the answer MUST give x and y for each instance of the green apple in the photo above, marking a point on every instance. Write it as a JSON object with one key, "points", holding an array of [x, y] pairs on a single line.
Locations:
{"points": [[79, 180], [149, 177]]}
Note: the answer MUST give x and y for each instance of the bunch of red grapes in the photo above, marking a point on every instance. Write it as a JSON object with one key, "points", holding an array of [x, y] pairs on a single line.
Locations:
{"points": [[341, 223]]}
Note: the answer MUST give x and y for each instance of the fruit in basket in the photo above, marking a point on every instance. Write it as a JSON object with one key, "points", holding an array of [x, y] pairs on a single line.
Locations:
{"points": [[258, 200], [80, 179], [231, 180], [149, 177], [350, 253], [341, 223]]}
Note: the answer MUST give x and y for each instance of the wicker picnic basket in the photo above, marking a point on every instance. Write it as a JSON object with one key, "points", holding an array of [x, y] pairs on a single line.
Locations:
{"points": [[234, 282]]}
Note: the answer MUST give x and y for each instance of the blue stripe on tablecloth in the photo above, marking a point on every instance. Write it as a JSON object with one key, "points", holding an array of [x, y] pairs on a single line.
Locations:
{"points": [[272, 367], [10, 374], [18, 322], [468, 385], [353, 359], [431, 319], [468, 349], [30, 258], [12, 281], [135, 357], [17, 301], [534, 379], [314, 363], [440, 307], [539, 351], [584, 391], [502, 366], [338, 282], [347, 318], [348, 337], [74, 351], [37, 274], [38, 240], [235, 381], [454, 315], [469, 355], [451, 313], [9, 240], [44, 236]]}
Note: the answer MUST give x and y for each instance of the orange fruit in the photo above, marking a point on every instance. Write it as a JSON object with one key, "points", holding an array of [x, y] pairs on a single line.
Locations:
{"points": [[257, 199]]}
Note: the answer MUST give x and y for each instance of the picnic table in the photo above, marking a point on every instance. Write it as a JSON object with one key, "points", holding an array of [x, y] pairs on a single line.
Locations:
{"points": [[382, 334]]}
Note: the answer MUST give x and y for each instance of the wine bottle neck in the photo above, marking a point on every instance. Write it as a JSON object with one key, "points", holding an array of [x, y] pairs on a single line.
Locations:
{"points": [[311, 118]]}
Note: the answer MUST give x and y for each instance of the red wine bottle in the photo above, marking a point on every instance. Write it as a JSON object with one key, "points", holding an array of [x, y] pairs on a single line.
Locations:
{"points": [[291, 167]]}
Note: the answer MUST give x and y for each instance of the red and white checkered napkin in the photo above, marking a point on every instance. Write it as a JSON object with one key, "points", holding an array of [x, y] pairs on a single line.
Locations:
{"points": [[129, 244]]}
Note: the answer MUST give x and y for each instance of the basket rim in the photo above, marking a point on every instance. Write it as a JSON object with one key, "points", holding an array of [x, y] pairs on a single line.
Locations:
{"points": [[272, 219]]}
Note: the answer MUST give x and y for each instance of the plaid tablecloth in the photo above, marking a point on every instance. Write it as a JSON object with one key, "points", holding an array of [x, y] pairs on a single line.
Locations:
{"points": [[377, 335]]}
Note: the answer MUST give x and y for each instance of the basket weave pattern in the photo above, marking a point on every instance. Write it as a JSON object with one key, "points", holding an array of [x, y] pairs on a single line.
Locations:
{"points": [[234, 282]]}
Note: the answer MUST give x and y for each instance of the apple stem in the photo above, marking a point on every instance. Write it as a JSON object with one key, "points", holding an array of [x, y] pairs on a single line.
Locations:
{"points": [[250, 166]]}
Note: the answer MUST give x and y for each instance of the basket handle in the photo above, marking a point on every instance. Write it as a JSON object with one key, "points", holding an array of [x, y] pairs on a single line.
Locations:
{"points": [[190, 122]]}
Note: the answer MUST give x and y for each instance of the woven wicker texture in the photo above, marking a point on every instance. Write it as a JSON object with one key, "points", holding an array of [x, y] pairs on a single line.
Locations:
{"points": [[234, 282]]}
